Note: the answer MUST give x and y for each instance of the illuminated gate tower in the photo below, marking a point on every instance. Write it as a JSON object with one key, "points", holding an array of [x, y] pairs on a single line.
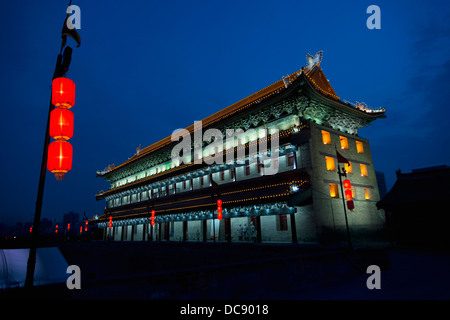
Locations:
{"points": [[300, 203]]}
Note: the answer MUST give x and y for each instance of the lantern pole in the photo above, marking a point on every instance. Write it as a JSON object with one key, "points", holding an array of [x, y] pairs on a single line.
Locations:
{"points": [[344, 173], [37, 213], [62, 66]]}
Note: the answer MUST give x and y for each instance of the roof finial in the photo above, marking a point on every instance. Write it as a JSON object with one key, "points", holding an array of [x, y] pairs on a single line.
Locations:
{"points": [[317, 59]]}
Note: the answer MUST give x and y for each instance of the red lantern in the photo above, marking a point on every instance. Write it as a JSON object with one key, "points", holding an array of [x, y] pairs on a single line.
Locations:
{"points": [[350, 205], [63, 93], [219, 209], [61, 124], [110, 222], [347, 184], [348, 194], [152, 220], [59, 158]]}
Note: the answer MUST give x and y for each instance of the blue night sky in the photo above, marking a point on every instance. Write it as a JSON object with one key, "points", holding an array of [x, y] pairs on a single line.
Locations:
{"points": [[147, 68]]}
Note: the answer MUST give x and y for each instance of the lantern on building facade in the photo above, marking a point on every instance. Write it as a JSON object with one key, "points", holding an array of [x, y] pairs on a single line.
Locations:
{"points": [[349, 194], [347, 184], [219, 209], [152, 220]]}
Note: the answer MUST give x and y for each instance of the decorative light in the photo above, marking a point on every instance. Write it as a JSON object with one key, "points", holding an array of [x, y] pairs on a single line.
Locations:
{"points": [[293, 188], [61, 124], [347, 184], [348, 194], [63, 93], [59, 159], [152, 221], [61, 127], [350, 205], [219, 209]]}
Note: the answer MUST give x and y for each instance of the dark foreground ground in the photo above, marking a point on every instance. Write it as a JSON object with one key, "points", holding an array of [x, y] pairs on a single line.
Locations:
{"points": [[207, 271]]}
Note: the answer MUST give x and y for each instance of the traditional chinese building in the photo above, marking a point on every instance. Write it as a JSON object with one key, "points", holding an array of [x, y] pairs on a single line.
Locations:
{"points": [[302, 202]]}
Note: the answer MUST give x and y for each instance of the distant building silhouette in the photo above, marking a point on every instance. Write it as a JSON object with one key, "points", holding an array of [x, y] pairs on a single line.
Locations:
{"points": [[72, 218], [416, 207], [381, 181]]}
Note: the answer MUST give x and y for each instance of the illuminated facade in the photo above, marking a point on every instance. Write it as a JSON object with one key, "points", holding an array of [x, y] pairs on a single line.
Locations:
{"points": [[302, 202]]}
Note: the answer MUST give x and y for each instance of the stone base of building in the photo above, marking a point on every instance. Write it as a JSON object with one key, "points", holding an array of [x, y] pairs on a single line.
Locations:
{"points": [[297, 227]]}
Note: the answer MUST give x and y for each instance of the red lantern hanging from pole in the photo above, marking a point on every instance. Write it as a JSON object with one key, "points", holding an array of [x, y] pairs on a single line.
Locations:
{"points": [[61, 124], [348, 194], [60, 152], [347, 184], [350, 205], [63, 93], [59, 158]]}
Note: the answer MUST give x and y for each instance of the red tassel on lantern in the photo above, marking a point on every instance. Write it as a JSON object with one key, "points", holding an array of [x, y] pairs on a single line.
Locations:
{"points": [[59, 158]]}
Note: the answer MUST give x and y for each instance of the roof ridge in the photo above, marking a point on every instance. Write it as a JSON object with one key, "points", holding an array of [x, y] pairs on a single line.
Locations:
{"points": [[320, 81]]}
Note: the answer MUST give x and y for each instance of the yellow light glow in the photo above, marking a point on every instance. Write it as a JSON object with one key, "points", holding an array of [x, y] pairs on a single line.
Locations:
{"points": [[326, 138], [363, 170], [330, 163], [359, 147], [344, 142], [334, 193], [348, 167], [366, 193]]}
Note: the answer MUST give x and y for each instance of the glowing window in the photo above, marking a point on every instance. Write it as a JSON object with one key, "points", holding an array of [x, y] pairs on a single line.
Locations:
{"points": [[334, 192], [326, 138], [359, 147], [344, 142], [363, 170], [366, 193], [348, 167], [330, 163]]}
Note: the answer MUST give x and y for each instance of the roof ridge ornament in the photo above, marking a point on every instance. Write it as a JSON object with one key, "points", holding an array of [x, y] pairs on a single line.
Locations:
{"points": [[314, 60]]}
